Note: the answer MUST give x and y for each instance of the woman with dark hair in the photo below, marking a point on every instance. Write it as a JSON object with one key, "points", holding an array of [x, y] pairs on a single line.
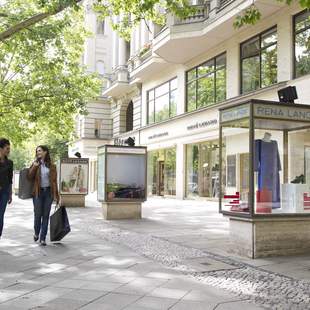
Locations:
{"points": [[45, 191], [6, 178]]}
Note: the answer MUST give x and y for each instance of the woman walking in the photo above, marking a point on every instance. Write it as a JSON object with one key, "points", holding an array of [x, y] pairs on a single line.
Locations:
{"points": [[45, 191], [6, 178]]}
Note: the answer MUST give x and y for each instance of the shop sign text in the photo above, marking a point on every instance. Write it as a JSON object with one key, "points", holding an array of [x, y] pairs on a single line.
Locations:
{"points": [[282, 112], [159, 135], [235, 113], [202, 124]]}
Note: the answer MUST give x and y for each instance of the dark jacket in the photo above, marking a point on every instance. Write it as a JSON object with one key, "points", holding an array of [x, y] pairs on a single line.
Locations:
{"points": [[35, 175], [6, 173]]}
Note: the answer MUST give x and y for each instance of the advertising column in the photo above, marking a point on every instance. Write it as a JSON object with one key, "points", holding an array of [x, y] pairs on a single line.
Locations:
{"points": [[74, 181]]}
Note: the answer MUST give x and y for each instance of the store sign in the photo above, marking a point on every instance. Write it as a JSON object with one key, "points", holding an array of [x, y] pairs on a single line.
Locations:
{"points": [[203, 124], [235, 113], [159, 135], [282, 112]]}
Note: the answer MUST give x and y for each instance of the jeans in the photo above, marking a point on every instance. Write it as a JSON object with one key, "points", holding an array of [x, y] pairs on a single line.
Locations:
{"points": [[4, 198], [42, 208]]}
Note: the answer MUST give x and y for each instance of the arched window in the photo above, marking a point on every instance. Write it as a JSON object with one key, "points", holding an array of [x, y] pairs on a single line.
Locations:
{"points": [[100, 67], [129, 117]]}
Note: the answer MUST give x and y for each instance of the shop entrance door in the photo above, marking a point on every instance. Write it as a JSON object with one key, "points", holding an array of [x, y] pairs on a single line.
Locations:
{"points": [[160, 181]]}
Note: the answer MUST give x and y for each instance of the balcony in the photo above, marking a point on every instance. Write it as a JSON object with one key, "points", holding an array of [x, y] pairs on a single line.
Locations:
{"points": [[212, 23], [117, 82]]}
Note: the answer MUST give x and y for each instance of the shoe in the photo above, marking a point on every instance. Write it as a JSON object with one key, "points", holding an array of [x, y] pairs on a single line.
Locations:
{"points": [[35, 238], [42, 242]]}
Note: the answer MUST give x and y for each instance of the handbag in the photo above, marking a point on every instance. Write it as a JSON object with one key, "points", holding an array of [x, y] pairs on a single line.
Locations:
{"points": [[25, 186], [59, 224]]}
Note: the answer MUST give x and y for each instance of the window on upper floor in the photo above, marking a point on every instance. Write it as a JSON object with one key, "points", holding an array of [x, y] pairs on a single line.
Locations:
{"points": [[97, 128], [302, 43], [206, 83], [129, 117], [100, 26], [162, 102], [259, 61], [100, 67]]}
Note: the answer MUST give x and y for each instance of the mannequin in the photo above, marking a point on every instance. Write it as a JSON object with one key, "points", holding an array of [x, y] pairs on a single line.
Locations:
{"points": [[267, 164]]}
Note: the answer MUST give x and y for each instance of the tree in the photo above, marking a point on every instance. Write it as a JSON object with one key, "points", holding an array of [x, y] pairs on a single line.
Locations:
{"points": [[42, 84]]}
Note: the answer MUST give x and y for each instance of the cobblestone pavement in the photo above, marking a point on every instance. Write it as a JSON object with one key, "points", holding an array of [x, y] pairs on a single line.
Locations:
{"points": [[265, 288], [99, 267]]}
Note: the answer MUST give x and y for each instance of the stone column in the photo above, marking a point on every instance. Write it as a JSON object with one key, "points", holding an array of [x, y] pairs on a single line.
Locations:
{"points": [[144, 33], [180, 173], [115, 50], [121, 52]]}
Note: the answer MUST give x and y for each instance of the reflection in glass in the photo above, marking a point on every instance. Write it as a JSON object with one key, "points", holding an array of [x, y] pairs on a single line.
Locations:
{"points": [[250, 74], [101, 176], [125, 177]]}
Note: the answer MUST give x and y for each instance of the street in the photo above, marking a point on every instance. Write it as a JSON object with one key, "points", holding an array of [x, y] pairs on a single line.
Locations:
{"points": [[142, 264]]}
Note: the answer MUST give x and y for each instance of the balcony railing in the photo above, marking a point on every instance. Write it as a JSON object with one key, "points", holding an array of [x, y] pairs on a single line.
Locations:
{"points": [[120, 74], [201, 13], [223, 3]]}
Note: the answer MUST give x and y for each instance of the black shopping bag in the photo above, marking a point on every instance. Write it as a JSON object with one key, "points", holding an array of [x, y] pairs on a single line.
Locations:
{"points": [[59, 224], [25, 186]]}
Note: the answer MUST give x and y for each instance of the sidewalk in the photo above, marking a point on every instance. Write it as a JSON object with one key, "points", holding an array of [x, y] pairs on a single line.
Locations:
{"points": [[92, 269]]}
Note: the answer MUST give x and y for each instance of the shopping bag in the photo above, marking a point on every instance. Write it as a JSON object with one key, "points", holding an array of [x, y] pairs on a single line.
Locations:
{"points": [[59, 224], [25, 185]]}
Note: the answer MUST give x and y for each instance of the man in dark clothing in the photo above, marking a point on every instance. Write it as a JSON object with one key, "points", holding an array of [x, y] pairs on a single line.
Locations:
{"points": [[6, 178]]}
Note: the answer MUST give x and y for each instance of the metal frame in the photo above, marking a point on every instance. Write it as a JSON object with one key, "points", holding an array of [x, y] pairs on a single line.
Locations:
{"points": [[259, 36], [196, 80], [251, 200], [106, 146], [294, 41], [79, 194]]}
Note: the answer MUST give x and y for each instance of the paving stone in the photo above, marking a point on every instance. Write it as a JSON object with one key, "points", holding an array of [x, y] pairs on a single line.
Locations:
{"points": [[154, 303]]}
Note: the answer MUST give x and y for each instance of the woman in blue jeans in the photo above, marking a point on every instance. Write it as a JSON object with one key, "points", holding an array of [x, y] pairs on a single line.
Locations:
{"points": [[45, 190], [6, 178]]}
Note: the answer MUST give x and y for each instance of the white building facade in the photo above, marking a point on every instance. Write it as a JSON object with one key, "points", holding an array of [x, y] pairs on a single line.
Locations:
{"points": [[168, 83]]}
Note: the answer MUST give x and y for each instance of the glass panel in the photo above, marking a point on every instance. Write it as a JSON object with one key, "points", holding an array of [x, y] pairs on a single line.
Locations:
{"points": [[235, 193], [206, 68], [192, 170], [221, 85], [173, 84], [302, 21], [160, 90], [173, 103], [162, 108], [151, 94], [151, 113], [152, 172], [101, 177], [206, 91], [269, 66], [269, 37], [250, 74], [125, 177], [191, 96], [220, 61], [250, 48], [191, 75], [302, 53], [169, 171], [280, 162]]}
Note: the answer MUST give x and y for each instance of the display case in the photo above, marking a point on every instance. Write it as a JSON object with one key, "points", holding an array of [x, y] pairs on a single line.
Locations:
{"points": [[121, 173], [270, 143]]}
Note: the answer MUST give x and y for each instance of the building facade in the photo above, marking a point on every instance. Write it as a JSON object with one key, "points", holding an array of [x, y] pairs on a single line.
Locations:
{"points": [[168, 83]]}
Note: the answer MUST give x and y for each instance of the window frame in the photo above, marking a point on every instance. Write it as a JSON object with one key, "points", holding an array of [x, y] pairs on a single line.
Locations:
{"points": [[294, 42], [197, 78], [169, 82], [259, 36]]}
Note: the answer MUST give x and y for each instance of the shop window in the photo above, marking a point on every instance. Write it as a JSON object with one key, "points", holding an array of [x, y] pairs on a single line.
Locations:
{"points": [[302, 43], [231, 170], [206, 83], [129, 117], [161, 172], [259, 61], [162, 102], [202, 169]]}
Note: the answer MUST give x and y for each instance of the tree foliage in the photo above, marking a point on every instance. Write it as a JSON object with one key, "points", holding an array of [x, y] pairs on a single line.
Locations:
{"points": [[42, 84]]}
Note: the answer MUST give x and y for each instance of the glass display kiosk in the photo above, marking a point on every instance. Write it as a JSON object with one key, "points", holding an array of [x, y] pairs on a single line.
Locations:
{"points": [[121, 180], [266, 192]]}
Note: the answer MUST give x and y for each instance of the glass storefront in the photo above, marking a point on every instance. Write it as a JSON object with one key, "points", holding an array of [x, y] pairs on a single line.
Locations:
{"points": [[202, 169], [161, 172]]}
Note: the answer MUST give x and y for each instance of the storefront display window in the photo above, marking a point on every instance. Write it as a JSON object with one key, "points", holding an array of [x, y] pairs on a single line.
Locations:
{"points": [[302, 43], [202, 169], [272, 163], [161, 172], [259, 61], [206, 83]]}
